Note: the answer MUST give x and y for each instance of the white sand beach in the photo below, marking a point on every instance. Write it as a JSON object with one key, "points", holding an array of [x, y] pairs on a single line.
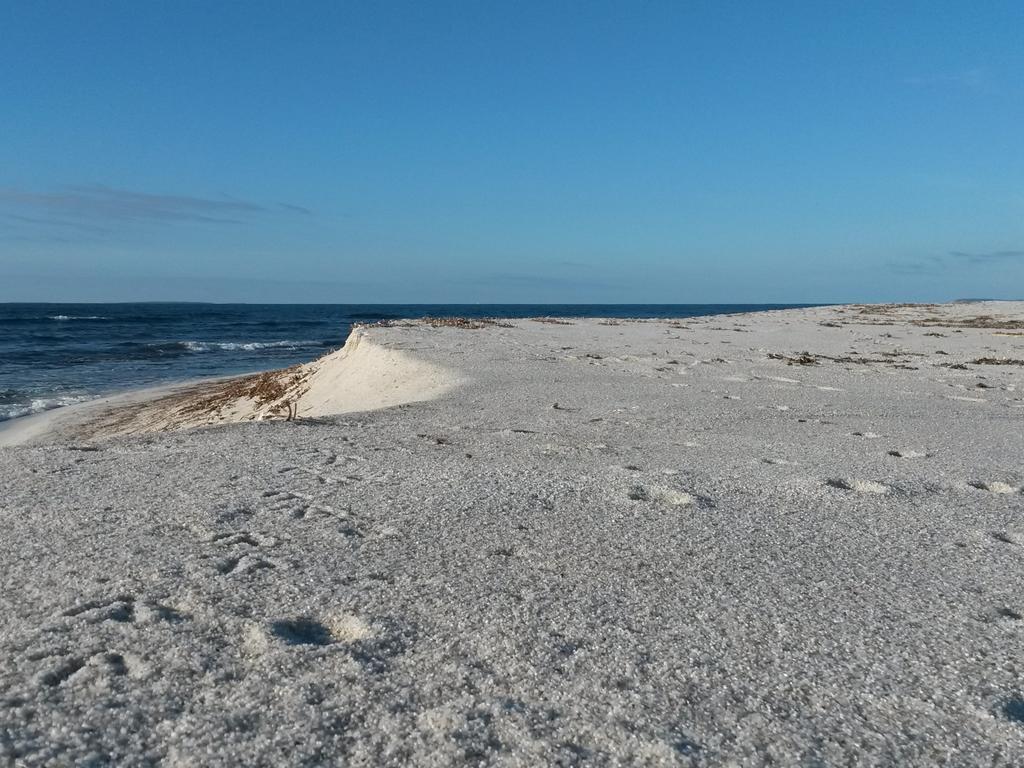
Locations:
{"points": [[782, 538]]}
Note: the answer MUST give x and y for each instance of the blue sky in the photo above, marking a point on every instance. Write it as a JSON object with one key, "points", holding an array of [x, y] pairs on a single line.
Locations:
{"points": [[492, 152]]}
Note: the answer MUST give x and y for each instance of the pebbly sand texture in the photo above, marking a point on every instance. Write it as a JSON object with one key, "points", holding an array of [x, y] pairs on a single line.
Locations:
{"points": [[790, 538]]}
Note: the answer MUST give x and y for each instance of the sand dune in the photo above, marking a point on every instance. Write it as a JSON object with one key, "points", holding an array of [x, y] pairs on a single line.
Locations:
{"points": [[361, 376]]}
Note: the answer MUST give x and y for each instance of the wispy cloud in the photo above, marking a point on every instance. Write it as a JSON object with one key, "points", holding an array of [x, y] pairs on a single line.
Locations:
{"points": [[98, 206], [932, 265], [295, 208], [990, 257], [77, 226], [913, 268], [975, 80], [529, 281]]}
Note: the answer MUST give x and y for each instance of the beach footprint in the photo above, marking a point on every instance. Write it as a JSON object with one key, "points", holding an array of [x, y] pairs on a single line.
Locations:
{"points": [[858, 486], [1006, 537], [661, 495], [907, 453], [994, 486], [244, 564], [296, 504]]}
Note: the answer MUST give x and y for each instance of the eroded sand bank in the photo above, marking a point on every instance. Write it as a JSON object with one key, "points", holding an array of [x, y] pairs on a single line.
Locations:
{"points": [[361, 376], [794, 537]]}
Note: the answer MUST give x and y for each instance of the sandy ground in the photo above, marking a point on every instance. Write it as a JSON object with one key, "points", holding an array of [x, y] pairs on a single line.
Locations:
{"points": [[790, 538]]}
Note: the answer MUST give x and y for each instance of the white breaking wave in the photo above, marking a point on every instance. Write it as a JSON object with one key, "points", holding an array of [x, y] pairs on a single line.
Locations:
{"points": [[207, 346], [78, 317], [38, 405]]}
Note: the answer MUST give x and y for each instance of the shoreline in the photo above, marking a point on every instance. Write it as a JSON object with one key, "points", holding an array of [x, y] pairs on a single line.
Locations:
{"points": [[73, 421], [22, 429], [50, 424], [47, 424], [115, 348], [358, 376]]}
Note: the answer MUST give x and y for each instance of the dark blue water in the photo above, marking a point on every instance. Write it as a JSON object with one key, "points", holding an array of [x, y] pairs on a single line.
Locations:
{"points": [[57, 354]]}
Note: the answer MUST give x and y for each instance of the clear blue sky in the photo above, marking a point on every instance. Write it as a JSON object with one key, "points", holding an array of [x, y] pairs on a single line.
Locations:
{"points": [[519, 151]]}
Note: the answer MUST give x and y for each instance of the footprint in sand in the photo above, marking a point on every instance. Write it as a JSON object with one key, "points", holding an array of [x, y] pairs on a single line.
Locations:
{"points": [[97, 670], [242, 538], [1002, 614], [858, 486], [907, 454], [60, 673], [994, 486], [120, 608], [638, 493], [234, 566], [124, 609], [372, 646], [1005, 537], [301, 631], [668, 496], [297, 505]]}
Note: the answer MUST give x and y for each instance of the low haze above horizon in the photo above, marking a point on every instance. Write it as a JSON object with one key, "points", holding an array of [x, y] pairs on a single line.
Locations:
{"points": [[563, 152]]}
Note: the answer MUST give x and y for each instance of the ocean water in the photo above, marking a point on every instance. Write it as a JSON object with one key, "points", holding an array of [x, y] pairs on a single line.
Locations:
{"points": [[53, 355]]}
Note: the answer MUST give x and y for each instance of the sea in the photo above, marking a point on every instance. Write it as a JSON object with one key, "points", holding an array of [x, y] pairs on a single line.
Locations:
{"points": [[53, 355]]}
